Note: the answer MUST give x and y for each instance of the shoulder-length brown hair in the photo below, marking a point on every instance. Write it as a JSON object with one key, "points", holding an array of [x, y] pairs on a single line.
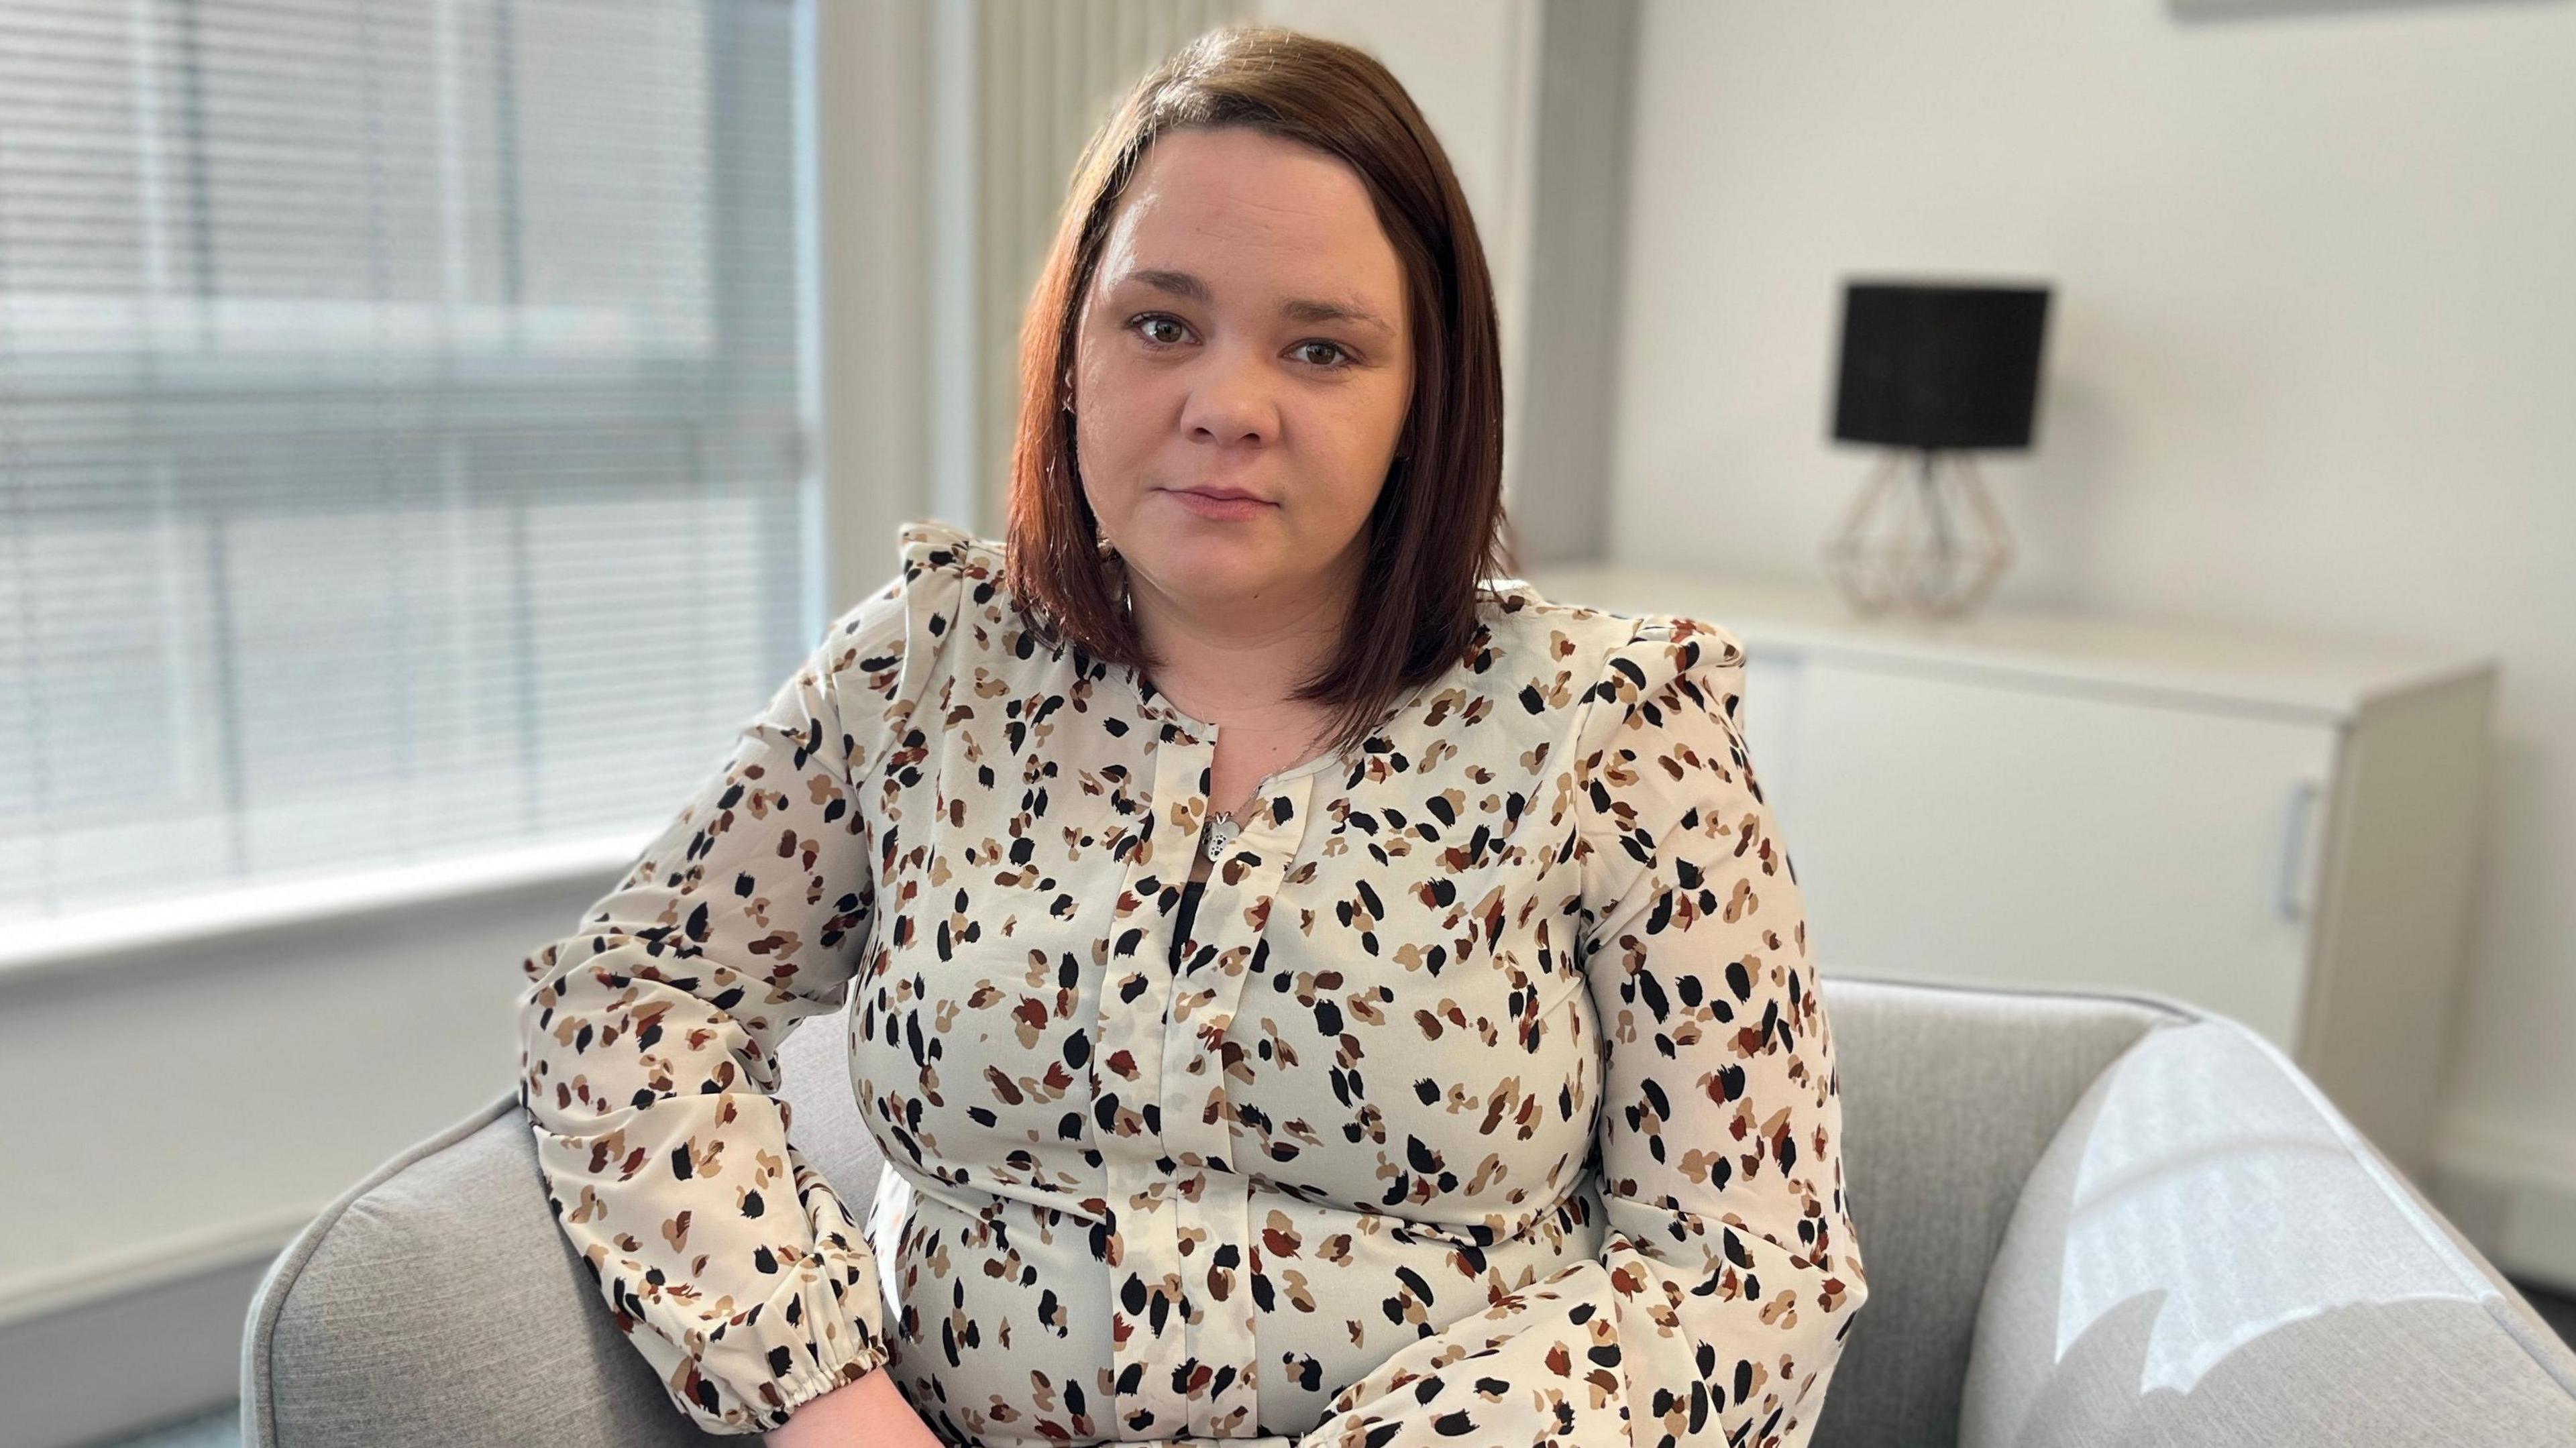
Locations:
{"points": [[1437, 529]]}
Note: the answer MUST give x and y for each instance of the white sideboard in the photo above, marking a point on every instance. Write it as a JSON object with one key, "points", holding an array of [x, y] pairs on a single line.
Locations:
{"points": [[2278, 829]]}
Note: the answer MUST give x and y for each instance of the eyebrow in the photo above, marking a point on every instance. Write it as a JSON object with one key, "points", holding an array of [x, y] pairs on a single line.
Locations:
{"points": [[1299, 309]]}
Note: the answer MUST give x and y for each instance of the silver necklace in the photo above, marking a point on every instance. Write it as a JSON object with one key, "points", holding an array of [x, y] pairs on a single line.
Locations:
{"points": [[1222, 828], [1221, 831]]}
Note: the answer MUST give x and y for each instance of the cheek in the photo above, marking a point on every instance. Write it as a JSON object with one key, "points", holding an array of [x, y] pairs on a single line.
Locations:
{"points": [[1103, 385], [1110, 429], [1364, 428]]}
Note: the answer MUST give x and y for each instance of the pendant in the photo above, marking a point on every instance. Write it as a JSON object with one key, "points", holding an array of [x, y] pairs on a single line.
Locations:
{"points": [[1220, 833]]}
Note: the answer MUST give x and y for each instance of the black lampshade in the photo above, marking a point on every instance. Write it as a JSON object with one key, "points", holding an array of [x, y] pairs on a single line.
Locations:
{"points": [[1940, 366]]}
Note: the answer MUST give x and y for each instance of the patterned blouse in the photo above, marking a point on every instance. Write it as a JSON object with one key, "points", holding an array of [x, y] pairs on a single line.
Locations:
{"points": [[1486, 1096]]}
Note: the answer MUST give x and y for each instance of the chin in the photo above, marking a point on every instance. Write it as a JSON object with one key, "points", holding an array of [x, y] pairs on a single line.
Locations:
{"points": [[1216, 565]]}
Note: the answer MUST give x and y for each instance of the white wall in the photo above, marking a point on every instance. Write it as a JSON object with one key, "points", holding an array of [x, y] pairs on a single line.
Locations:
{"points": [[2313, 366]]}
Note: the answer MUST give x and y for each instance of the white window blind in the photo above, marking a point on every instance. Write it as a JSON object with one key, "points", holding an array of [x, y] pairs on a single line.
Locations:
{"points": [[401, 454]]}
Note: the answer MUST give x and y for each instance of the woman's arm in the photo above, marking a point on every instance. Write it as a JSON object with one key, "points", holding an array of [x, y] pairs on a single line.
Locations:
{"points": [[649, 1057], [1728, 1275]]}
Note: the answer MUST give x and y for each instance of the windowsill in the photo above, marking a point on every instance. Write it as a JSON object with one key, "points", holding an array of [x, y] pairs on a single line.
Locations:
{"points": [[47, 945]]}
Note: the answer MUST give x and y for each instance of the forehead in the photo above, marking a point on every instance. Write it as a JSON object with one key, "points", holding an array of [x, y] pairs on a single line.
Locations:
{"points": [[1254, 214]]}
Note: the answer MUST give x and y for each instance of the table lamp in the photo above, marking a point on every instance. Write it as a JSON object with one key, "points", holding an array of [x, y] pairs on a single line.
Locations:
{"points": [[1940, 370]]}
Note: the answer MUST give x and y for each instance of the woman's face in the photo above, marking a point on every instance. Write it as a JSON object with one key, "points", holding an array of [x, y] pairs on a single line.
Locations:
{"points": [[1245, 332]]}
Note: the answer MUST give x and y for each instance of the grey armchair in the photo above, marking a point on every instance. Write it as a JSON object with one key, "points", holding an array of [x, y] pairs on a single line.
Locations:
{"points": [[2087, 1219]]}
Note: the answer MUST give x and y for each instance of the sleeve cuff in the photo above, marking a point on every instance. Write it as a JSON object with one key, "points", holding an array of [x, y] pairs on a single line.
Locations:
{"points": [[810, 1381]]}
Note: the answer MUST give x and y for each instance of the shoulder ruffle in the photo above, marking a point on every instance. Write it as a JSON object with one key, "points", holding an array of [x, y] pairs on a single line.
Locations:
{"points": [[928, 545], [882, 653], [1668, 661]]}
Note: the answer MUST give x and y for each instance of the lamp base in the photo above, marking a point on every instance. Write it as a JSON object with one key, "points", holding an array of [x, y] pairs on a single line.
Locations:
{"points": [[1932, 544]]}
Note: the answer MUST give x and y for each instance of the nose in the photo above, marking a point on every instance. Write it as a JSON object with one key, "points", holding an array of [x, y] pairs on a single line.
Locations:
{"points": [[1231, 400]]}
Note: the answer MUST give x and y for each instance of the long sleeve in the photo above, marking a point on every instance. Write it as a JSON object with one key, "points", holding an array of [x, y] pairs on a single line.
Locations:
{"points": [[1728, 1276], [649, 1055]]}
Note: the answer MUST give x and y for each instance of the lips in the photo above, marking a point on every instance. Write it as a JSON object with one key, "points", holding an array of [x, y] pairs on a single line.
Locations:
{"points": [[1224, 494]]}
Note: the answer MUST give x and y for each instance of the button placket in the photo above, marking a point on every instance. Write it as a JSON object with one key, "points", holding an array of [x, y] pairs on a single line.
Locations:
{"points": [[1149, 1346], [1215, 1209]]}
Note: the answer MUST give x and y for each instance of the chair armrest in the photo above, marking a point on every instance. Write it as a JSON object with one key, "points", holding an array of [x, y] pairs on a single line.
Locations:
{"points": [[2208, 1253], [437, 1303]]}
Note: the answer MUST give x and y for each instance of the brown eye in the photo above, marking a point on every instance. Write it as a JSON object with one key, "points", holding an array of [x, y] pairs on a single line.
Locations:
{"points": [[1150, 322], [1340, 360]]}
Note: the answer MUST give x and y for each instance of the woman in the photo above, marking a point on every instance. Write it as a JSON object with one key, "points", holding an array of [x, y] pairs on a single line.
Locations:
{"points": [[1302, 996]]}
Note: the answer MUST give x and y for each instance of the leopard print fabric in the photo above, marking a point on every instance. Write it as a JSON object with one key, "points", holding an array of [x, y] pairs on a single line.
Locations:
{"points": [[1491, 1100]]}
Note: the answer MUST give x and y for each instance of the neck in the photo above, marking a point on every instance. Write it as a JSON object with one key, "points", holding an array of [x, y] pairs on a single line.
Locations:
{"points": [[1236, 661]]}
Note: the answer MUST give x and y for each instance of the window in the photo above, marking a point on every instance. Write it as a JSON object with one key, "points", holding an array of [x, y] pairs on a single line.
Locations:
{"points": [[401, 447]]}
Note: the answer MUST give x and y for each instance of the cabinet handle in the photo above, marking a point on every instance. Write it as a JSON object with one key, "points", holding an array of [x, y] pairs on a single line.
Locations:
{"points": [[2290, 894]]}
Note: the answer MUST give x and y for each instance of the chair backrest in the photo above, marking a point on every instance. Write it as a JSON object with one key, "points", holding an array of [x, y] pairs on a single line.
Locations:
{"points": [[1949, 1094], [823, 1112]]}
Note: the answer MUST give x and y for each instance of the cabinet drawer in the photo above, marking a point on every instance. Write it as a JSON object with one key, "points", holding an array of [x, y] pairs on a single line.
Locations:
{"points": [[1958, 829]]}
